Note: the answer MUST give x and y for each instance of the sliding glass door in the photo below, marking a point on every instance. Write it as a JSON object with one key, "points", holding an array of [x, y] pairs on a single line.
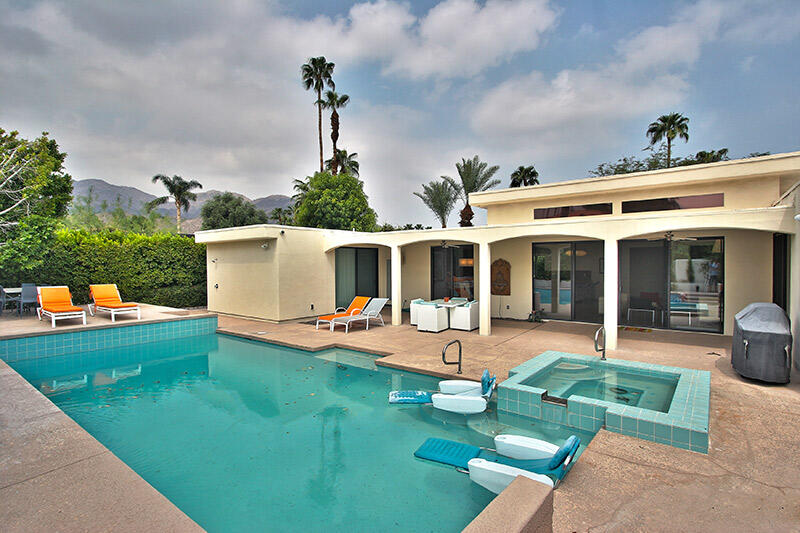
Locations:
{"points": [[356, 274], [676, 283], [453, 271], [568, 280], [696, 284], [643, 283]]}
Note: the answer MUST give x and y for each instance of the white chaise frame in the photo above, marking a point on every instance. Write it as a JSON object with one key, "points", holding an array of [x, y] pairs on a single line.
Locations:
{"points": [[94, 308], [40, 311]]}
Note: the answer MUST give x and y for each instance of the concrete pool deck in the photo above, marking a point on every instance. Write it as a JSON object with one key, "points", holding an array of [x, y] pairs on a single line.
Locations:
{"points": [[749, 481], [54, 475]]}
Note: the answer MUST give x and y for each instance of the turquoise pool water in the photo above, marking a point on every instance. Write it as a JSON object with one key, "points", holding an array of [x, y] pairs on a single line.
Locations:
{"points": [[546, 295], [608, 384], [243, 435]]}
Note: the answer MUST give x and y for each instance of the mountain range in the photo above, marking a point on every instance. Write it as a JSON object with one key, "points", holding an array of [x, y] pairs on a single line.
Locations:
{"points": [[133, 200]]}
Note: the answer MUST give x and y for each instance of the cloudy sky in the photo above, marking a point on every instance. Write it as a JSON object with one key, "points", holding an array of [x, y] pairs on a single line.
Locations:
{"points": [[211, 90]]}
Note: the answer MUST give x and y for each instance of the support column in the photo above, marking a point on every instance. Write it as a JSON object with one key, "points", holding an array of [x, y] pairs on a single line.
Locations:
{"points": [[611, 292], [485, 288], [397, 288]]}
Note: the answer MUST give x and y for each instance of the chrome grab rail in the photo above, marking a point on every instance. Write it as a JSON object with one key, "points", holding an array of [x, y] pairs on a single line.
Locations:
{"points": [[597, 347], [788, 350], [444, 352], [746, 344]]}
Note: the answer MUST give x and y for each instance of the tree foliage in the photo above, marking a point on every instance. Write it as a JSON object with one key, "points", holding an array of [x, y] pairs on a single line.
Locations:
{"points": [[655, 160], [524, 176], [405, 227], [84, 216], [228, 211], [335, 202], [161, 269], [282, 215], [440, 197], [32, 180]]}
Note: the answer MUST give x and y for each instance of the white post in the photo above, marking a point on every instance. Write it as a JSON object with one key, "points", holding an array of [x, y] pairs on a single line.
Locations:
{"points": [[611, 292], [397, 289], [485, 288]]}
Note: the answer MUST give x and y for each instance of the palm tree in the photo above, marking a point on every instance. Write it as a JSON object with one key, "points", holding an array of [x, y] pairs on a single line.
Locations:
{"points": [[317, 73], [179, 190], [334, 101], [300, 190], [524, 177], [281, 215], [476, 176], [440, 197], [347, 162], [668, 127]]}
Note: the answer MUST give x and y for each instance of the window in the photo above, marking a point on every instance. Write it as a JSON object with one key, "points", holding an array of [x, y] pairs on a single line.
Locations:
{"points": [[678, 202], [572, 211]]}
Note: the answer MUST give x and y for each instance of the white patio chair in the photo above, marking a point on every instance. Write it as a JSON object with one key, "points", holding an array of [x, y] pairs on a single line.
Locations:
{"points": [[465, 317], [432, 317]]}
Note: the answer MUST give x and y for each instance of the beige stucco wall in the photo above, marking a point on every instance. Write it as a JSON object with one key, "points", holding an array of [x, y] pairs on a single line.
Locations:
{"points": [[306, 275], [242, 279]]}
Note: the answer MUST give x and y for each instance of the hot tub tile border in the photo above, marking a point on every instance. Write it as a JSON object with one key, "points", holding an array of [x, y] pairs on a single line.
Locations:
{"points": [[685, 425]]}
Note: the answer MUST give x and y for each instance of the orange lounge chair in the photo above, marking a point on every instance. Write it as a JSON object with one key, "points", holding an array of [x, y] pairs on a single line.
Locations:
{"points": [[56, 303], [353, 309], [106, 298]]}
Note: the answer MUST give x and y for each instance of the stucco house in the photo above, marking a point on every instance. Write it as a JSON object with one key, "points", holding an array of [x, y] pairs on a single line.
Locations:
{"points": [[683, 248]]}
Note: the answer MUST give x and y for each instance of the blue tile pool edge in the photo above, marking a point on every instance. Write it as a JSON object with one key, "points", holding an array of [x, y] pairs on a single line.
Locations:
{"points": [[685, 425], [80, 340]]}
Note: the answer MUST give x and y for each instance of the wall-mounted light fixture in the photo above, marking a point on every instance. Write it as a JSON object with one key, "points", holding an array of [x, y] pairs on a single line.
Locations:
{"points": [[265, 245], [214, 260]]}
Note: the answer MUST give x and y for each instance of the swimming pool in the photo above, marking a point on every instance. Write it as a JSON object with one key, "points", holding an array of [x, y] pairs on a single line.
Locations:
{"points": [[243, 435]]}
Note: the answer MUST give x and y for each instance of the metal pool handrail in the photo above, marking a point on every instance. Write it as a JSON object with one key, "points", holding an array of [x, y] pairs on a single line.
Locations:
{"points": [[597, 347], [444, 352]]}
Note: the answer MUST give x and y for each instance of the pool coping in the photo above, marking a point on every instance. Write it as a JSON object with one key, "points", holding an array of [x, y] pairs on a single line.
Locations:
{"points": [[57, 476], [685, 425]]}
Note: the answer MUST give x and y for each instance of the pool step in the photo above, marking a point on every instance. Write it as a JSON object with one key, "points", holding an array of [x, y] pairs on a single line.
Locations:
{"points": [[348, 358]]}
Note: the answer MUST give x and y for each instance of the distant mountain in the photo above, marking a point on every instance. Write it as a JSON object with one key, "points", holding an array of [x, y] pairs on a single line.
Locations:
{"points": [[133, 200]]}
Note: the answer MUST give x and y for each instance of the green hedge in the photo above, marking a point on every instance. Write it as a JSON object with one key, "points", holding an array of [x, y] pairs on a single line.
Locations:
{"points": [[161, 269]]}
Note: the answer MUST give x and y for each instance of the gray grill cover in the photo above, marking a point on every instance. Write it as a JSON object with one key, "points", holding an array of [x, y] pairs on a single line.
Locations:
{"points": [[765, 330]]}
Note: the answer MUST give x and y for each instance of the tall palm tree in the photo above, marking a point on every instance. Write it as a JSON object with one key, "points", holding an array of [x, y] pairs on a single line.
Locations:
{"points": [[476, 176], [318, 73], [440, 197], [524, 177], [179, 190], [668, 127], [334, 101], [347, 162]]}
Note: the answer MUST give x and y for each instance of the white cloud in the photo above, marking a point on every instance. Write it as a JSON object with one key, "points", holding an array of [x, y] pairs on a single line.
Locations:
{"points": [[584, 108]]}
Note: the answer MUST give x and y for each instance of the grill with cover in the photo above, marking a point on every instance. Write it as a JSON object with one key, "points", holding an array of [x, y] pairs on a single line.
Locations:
{"points": [[762, 343]]}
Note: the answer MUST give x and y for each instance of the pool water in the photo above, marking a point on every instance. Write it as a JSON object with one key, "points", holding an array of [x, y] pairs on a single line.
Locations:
{"points": [[608, 384], [242, 435]]}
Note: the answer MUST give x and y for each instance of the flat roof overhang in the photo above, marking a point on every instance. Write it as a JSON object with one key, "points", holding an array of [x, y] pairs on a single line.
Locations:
{"points": [[787, 164]]}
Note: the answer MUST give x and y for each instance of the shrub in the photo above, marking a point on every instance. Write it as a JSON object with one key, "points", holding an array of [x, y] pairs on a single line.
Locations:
{"points": [[160, 269]]}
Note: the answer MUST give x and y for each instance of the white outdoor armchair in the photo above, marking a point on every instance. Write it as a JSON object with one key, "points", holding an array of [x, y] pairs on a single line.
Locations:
{"points": [[465, 317], [432, 317], [414, 309]]}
